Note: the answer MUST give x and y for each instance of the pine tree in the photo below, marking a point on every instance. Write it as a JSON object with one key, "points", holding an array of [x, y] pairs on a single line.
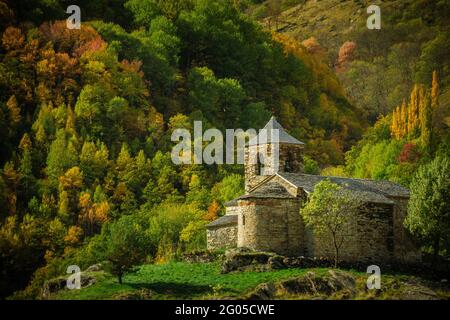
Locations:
{"points": [[62, 156], [124, 161], [25, 142], [63, 206], [14, 110]]}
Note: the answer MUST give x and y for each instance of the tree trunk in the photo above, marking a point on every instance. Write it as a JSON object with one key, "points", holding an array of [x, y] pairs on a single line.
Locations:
{"points": [[336, 250], [336, 256], [120, 277]]}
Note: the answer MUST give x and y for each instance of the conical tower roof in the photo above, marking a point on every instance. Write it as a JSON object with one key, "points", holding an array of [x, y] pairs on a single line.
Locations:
{"points": [[266, 136]]}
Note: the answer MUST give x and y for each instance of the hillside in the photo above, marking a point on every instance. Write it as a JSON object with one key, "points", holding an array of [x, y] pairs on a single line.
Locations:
{"points": [[413, 41], [87, 118]]}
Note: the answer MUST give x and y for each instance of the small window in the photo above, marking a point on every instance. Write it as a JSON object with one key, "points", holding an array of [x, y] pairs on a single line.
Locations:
{"points": [[259, 166], [288, 163], [243, 219]]}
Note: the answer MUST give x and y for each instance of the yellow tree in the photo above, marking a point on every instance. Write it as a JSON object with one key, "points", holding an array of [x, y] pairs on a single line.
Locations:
{"points": [[425, 120], [435, 91], [87, 214], [92, 215], [213, 211], [395, 126], [417, 96], [14, 110], [403, 119]]}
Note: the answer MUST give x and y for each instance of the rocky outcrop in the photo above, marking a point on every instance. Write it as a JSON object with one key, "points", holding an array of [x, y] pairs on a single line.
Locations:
{"points": [[200, 257], [54, 285], [96, 267], [308, 285], [243, 259]]}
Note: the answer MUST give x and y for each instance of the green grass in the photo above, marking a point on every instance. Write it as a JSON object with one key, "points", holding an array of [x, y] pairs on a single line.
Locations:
{"points": [[180, 280]]}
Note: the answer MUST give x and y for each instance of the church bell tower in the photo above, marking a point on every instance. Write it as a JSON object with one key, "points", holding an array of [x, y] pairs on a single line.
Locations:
{"points": [[272, 150]]}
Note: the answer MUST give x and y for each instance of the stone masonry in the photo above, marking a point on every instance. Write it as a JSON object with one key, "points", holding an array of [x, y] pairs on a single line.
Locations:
{"points": [[268, 216]]}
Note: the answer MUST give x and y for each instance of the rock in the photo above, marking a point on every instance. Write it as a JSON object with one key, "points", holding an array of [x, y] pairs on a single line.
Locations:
{"points": [[338, 280], [87, 280], [54, 285], [309, 285], [248, 260], [234, 251], [200, 257], [264, 291], [95, 267], [299, 285], [414, 290], [276, 262]]}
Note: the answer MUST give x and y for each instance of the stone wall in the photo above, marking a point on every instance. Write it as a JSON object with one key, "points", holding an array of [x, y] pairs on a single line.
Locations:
{"points": [[222, 238], [272, 225], [369, 237], [232, 210], [292, 189], [289, 160], [405, 250]]}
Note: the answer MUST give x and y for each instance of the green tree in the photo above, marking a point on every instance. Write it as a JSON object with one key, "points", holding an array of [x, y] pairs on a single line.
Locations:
{"points": [[62, 156], [127, 244], [311, 165], [229, 188], [198, 193], [428, 208], [329, 210], [220, 100]]}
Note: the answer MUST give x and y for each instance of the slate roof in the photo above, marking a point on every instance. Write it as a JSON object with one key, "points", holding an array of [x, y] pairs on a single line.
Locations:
{"points": [[270, 189], [370, 190], [226, 220], [265, 136], [231, 203]]}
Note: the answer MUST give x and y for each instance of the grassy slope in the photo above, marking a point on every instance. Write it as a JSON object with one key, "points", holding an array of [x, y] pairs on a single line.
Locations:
{"points": [[181, 280], [178, 280]]}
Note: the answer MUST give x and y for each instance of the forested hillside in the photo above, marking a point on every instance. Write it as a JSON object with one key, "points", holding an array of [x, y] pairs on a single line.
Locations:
{"points": [[86, 116], [377, 68]]}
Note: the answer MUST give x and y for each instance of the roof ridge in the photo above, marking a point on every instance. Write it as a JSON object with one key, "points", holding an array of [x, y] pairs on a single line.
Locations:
{"points": [[283, 135], [350, 178], [380, 187]]}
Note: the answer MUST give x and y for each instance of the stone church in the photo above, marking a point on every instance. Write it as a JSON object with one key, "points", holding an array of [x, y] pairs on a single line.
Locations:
{"points": [[267, 217]]}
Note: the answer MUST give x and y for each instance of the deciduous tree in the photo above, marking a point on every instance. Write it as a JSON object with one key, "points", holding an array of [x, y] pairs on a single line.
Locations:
{"points": [[329, 211]]}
